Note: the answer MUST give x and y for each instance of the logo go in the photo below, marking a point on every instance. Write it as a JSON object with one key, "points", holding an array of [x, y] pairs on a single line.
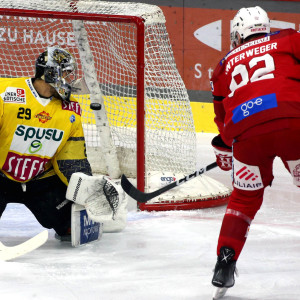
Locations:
{"points": [[247, 106], [35, 146], [253, 106]]}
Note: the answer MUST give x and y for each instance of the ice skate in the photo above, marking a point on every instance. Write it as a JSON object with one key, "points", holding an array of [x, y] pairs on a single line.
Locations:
{"points": [[219, 293], [225, 268]]}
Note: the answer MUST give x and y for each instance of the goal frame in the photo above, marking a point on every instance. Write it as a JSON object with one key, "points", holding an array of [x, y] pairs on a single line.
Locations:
{"points": [[146, 178], [140, 26]]}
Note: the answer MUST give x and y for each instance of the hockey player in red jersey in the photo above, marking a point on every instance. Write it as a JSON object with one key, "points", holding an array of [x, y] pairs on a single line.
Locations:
{"points": [[256, 95]]}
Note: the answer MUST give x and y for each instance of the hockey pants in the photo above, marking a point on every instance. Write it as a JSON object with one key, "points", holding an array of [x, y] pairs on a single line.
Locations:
{"points": [[252, 172], [43, 198]]}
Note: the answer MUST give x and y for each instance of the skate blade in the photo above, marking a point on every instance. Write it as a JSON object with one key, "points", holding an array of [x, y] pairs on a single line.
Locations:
{"points": [[219, 293]]}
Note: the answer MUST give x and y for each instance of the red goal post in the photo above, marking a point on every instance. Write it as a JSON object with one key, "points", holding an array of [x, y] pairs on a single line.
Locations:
{"points": [[126, 64]]}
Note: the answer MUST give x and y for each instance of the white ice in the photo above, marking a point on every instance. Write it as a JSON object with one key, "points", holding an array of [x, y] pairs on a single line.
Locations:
{"points": [[162, 255]]}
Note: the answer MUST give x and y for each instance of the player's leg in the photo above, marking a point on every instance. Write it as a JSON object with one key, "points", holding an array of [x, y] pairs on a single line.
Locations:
{"points": [[3, 204], [46, 199], [290, 153], [11, 192], [253, 161]]}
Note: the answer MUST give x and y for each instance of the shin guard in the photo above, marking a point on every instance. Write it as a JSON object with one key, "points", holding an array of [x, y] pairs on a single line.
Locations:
{"points": [[234, 231]]}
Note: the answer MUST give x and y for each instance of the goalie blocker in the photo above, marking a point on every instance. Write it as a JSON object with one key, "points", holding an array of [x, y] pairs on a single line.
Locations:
{"points": [[99, 206]]}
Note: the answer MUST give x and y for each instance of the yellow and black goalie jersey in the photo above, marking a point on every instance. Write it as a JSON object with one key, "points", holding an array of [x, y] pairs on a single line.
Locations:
{"points": [[39, 137]]}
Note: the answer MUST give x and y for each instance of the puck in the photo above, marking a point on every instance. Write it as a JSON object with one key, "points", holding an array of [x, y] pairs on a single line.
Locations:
{"points": [[95, 106]]}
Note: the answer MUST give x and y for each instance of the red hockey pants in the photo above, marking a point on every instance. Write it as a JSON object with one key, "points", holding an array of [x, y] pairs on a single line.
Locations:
{"points": [[252, 172]]}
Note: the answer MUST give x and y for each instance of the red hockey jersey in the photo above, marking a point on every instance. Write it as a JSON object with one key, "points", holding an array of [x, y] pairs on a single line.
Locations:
{"points": [[257, 82]]}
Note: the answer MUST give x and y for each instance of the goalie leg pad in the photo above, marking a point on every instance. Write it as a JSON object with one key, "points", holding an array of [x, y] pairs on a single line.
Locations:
{"points": [[120, 221], [83, 229]]}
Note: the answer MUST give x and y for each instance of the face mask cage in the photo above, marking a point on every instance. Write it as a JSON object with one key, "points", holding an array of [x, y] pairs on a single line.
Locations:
{"points": [[58, 73], [69, 72], [59, 70]]}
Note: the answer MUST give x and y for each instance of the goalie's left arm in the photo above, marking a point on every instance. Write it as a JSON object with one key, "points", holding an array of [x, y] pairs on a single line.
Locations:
{"points": [[100, 196]]}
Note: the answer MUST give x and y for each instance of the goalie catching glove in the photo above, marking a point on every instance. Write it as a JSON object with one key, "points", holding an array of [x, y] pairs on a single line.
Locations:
{"points": [[223, 153], [100, 196]]}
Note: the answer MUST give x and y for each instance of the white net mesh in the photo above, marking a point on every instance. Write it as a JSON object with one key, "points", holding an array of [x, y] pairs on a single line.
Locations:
{"points": [[29, 27], [170, 135]]}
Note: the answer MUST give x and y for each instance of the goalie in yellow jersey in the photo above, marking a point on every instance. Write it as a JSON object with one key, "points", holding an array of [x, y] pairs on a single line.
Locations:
{"points": [[42, 153]]}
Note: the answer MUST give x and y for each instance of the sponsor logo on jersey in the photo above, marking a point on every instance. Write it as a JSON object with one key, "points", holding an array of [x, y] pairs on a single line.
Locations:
{"points": [[72, 119], [246, 177], [22, 168], [30, 149], [14, 95], [89, 230], [254, 106], [72, 106], [41, 141], [43, 117], [35, 146]]}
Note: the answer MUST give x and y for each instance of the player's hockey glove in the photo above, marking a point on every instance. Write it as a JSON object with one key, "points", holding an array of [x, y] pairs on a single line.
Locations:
{"points": [[223, 153]]}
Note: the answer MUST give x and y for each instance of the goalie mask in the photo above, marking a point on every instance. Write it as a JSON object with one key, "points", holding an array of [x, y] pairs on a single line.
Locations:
{"points": [[58, 68], [249, 21]]}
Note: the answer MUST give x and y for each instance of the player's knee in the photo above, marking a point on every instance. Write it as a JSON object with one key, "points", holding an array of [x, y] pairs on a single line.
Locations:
{"points": [[247, 202]]}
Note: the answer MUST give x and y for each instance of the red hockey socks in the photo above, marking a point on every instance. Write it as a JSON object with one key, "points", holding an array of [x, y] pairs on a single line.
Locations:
{"points": [[234, 231]]}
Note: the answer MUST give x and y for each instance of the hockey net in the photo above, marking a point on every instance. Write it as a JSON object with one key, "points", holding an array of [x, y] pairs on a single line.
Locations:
{"points": [[145, 128]]}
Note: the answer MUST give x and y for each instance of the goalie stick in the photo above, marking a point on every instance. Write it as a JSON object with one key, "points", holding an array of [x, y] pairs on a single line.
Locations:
{"points": [[141, 197], [8, 253]]}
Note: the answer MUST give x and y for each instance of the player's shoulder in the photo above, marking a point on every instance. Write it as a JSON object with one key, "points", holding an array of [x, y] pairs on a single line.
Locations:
{"points": [[13, 90], [218, 69], [12, 81], [283, 33]]}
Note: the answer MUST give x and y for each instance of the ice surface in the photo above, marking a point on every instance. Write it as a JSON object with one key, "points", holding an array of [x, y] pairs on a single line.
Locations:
{"points": [[162, 255]]}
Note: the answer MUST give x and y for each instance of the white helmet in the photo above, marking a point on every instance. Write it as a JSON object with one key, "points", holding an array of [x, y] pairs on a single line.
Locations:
{"points": [[248, 21]]}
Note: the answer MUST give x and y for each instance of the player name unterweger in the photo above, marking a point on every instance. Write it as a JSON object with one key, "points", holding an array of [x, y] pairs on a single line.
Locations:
{"points": [[249, 53]]}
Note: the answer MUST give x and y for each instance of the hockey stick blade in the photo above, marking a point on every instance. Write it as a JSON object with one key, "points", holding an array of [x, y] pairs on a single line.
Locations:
{"points": [[141, 197], [8, 253]]}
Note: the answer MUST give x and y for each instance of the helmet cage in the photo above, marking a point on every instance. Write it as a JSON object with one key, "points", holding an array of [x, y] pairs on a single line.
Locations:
{"points": [[58, 68]]}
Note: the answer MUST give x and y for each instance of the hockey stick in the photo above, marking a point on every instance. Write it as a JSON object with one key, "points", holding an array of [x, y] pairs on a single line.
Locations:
{"points": [[8, 253], [141, 197]]}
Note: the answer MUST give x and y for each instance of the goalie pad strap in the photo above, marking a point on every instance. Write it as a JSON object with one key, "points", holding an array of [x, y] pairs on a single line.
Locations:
{"points": [[77, 189]]}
